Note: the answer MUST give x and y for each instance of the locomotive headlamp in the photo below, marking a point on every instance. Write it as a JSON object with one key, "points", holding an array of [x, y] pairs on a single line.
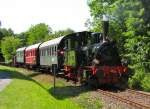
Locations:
{"points": [[105, 27]]}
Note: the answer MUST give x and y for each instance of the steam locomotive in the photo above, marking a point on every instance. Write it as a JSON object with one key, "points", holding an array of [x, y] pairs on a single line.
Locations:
{"points": [[88, 57]]}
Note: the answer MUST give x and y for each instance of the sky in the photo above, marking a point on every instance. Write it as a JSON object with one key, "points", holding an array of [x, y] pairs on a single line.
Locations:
{"points": [[19, 15]]}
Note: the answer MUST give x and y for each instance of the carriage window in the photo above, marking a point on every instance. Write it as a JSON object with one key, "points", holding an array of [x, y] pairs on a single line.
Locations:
{"points": [[44, 52], [52, 50], [55, 50], [66, 44], [27, 54], [47, 51], [40, 53], [34, 52]]}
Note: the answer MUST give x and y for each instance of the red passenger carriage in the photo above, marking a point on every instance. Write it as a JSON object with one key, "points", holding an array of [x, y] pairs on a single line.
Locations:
{"points": [[32, 55]]}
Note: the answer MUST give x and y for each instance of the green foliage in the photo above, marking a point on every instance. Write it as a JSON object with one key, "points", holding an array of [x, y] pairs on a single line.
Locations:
{"points": [[129, 25], [135, 80], [9, 45], [23, 37], [37, 33], [3, 33], [146, 83], [59, 33]]}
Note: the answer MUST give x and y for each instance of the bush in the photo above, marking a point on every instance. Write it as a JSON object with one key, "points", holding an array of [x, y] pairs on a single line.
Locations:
{"points": [[136, 79], [145, 83]]}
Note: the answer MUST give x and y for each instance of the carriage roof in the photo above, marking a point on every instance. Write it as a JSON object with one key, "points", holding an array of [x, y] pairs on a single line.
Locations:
{"points": [[33, 46], [21, 49], [55, 41]]}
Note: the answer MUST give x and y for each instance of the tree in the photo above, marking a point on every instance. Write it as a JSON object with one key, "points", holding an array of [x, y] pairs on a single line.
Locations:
{"points": [[130, 26], [3, 33], [37, 33], [9, 45], [23, 37], [59, 33]]}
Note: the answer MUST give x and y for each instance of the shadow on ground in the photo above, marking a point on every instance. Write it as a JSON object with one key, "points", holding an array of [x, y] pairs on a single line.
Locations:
{"points": [[62, 92], [68, 91], [10, 74]]}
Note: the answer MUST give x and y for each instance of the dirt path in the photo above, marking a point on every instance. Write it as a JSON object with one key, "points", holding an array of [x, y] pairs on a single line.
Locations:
{"points": [[4, 80]]}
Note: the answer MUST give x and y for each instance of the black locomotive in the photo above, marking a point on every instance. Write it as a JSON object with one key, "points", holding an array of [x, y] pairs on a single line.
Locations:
{"points": [[93, 58]]}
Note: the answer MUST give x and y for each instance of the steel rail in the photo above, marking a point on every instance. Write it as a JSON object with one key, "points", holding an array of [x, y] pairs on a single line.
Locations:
{"points": [[124, 100], [140, 93]]}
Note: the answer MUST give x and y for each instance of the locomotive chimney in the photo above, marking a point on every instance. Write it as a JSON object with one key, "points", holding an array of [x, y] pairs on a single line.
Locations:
{"points": [[105, 27]]}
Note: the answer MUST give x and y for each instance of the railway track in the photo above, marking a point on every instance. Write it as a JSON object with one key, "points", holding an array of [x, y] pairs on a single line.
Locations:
{"points": [[139, 93], [124, 99]]}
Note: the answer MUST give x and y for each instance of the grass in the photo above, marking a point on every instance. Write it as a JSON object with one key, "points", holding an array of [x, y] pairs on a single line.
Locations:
{"points": [[34, 90], [26, 93]]}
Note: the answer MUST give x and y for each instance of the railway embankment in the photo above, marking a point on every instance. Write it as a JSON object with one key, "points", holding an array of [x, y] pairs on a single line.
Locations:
{"points": [[30, 89]]}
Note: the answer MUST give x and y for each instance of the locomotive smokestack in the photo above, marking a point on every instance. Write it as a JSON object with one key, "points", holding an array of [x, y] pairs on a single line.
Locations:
{"points": [[105, 27]]}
